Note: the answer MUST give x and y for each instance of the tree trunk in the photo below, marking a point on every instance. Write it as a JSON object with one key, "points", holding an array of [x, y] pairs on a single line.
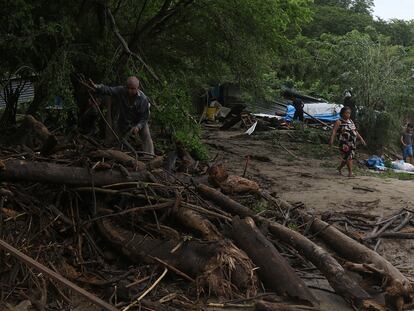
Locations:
{"points": [[217, 265], [397, 284], [39, 96], [195, 221], [118, 156], [398, 287], [8, 118], [35, 135], [343, 285], [18, 170], [228, 204], [327, 265], [274, 270]]}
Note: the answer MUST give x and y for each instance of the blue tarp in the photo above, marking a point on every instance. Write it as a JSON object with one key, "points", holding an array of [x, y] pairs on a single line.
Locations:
{"points": [[376, 162], [331, 117]]}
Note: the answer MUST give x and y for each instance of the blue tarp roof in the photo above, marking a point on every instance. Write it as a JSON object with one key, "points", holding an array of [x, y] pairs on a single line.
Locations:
{"points": [[323, 117]]}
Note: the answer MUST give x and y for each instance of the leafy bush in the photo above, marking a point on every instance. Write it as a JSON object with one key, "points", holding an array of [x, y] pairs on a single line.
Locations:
{"points": [[173, 117], [379, 129]]}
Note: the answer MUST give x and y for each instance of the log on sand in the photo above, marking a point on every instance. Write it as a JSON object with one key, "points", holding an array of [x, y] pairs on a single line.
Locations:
{"points": [[336, 275], [397, 287], [332, 270], [274, 270], [229, 205], [19, 170], [120, 157]]}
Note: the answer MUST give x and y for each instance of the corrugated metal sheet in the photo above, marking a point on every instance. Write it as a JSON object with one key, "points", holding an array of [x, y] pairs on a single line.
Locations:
{"points": [[278, 107], [26, 95]]}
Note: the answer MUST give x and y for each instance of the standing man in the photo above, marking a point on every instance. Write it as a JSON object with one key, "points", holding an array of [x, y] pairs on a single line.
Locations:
{"points": [[133, 110], [299, 105], [407, 143]]}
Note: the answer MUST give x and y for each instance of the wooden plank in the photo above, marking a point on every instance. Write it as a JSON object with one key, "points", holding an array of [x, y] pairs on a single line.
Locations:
{"points": [[55, 276]]}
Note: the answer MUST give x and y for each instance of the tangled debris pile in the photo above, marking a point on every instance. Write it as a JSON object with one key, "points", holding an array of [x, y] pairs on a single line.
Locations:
{"points": [[160, 234]]}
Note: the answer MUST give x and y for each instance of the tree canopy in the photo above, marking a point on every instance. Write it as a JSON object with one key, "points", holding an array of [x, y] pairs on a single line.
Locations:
{"points": [[176, 46]]}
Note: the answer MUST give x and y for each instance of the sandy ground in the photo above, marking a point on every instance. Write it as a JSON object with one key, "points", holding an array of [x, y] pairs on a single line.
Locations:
{"points": [[315, 182]]}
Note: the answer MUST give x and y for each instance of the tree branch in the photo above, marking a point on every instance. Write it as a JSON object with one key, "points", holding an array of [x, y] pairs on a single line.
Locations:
{"points": [[157, 28], [140, 16], [126, 47], [159, 20]]}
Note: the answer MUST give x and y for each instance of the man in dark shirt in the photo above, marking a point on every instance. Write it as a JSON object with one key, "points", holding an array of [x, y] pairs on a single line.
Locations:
{"points": [[133, 110], [298, 104]]}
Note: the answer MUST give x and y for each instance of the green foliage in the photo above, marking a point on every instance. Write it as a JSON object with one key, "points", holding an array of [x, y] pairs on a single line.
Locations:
{"points": [[260, 206], [378, 128], [388, 174], [337, 21], [321, 47], [173, 116]]}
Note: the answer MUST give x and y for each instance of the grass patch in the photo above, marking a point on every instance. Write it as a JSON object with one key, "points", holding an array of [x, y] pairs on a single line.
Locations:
{"points": [[392, 175], [308, 142], [389, 174], [260, 206]]}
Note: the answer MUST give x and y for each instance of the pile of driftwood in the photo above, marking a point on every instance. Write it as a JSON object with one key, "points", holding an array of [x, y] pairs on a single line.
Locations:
{"points": [[79, 222]]}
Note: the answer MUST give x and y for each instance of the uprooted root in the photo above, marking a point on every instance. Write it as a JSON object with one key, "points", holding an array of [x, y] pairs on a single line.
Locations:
{"points": [[219, 267]]}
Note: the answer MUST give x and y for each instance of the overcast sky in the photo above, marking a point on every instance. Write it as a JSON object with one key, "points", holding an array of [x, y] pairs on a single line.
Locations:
{"points": [[388, 9]]}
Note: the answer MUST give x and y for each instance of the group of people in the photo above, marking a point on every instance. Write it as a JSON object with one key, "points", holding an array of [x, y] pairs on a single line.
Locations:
{"points": [[347, 134], [134, 110]]}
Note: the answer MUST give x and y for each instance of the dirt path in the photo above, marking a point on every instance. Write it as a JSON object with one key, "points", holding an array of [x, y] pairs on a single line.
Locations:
{"points": [[297, 174]]}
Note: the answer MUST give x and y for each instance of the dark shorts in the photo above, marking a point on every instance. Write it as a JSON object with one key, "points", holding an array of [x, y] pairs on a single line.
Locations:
{"points": [[298, 115]]}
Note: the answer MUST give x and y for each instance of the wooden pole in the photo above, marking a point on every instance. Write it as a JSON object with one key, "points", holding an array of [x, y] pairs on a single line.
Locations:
{"points": [[55, 276]]}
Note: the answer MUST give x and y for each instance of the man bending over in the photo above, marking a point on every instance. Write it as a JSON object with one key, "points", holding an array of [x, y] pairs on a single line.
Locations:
{"points": [[133, 110]]}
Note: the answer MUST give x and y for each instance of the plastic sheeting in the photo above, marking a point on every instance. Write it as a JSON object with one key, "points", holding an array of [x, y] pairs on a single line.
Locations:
{"points": [[376, 162], [265, 115], [322, 111], [400, 165]]}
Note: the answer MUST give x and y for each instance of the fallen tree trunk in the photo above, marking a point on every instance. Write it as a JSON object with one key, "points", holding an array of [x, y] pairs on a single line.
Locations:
{"points": [[218, 266], [195, 221], [397, 286], [120, 157], [219, 177], [343, 285], [156, 163], [228, 204], [55, 276], [19, 170], [35, 135], [331, 269], [349, 249], [274, 270]]}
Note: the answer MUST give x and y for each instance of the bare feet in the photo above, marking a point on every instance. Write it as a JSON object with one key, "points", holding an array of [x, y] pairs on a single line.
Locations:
{"points": [[339, 169]]}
